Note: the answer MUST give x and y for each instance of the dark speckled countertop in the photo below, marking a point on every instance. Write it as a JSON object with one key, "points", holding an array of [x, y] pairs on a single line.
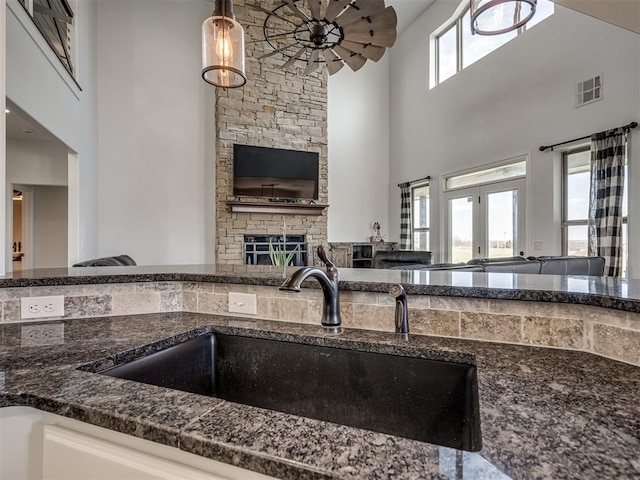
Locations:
{"points": [[545, 413], [608, 292]]}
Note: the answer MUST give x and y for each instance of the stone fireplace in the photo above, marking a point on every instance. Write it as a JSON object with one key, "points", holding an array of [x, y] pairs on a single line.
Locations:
{"points": [[275, 108]]}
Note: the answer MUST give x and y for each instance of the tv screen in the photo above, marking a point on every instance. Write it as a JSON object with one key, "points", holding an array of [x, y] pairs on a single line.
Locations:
{"points": [[275, 173]]}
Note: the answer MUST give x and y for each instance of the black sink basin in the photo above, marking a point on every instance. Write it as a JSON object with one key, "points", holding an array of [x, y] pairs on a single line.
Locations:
{"points": [[427, 400]]}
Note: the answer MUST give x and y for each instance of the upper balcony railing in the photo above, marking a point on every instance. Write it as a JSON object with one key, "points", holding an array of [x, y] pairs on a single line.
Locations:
{"points": [[54, 19]]}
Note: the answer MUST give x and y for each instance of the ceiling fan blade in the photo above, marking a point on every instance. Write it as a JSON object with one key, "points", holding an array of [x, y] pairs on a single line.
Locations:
{"points": [[293, 59], [379, 29], [354, 60], [334, 64], [360, 9], [278, 50], [335, 8], [296, 10], [371, 52], [272, 37], [314, 7], [313, 63], [269, 12]]}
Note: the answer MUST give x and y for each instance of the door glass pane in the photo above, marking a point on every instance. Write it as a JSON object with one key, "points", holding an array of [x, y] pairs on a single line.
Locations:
{"points": [[461, 238], [578, 184], [577, 243], [502, 211], [447, 63]]}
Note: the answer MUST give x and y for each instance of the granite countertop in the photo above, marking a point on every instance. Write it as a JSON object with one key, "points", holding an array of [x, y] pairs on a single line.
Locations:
{"points": [[608, 292], [545, 413]]}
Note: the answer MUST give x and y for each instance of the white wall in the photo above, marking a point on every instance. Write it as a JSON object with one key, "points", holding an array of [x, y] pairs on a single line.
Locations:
{"points": [[358, 135], [50, 227], [36, 163], [83, 166], [517, 98], [38, 84], [155, 144], [3, 192]]}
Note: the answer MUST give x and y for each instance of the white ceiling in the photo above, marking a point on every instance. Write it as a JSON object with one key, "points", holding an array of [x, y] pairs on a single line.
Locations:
{"points": [[20, 127], [408, 10]]}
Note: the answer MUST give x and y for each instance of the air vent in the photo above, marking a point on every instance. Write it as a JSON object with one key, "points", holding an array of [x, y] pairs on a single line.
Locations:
{"points": [[589, 91]]}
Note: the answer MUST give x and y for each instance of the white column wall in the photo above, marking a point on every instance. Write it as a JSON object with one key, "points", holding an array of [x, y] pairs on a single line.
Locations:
{"points": [[358, 134], [509, 103], [3, 191], [155, 180]]}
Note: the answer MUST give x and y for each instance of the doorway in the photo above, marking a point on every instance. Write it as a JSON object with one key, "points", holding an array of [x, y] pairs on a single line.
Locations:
{"points": [[486, 221], [40, 226]]}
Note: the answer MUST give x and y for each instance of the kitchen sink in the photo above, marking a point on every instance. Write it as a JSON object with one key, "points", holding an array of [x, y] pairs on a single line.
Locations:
{"points": [[428, 400]]}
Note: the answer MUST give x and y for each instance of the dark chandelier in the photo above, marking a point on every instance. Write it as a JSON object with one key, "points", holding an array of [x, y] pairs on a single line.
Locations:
{"points": [[329, 32]]}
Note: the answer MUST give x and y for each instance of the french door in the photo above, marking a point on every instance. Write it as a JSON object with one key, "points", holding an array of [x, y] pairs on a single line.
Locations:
{"points": [[487, 221]]}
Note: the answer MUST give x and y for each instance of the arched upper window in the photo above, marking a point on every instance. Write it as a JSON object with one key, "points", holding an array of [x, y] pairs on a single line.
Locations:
{"points": [[456, 48]]}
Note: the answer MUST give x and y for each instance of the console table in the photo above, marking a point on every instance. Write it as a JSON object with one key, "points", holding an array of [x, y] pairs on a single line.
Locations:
{"points": [[357, 254]]}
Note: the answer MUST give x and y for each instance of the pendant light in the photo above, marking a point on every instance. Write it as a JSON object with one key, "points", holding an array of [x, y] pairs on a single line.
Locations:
{"points": [[493, 17], [223, 48]]}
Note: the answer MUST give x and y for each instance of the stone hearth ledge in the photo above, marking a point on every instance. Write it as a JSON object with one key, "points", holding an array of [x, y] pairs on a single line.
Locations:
{"points": [[544, 413], [606, 292]]}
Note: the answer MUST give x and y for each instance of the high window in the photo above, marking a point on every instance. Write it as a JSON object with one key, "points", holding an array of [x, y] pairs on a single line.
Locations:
{"points": [[575, 205], [456, 48], [54, 20], [420, 216]]}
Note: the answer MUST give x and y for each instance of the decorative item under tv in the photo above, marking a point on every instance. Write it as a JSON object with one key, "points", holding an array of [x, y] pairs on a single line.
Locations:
{"points": [[328, 32]]}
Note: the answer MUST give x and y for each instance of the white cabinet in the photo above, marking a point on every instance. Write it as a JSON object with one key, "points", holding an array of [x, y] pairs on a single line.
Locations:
{"points": [[36, 445]]}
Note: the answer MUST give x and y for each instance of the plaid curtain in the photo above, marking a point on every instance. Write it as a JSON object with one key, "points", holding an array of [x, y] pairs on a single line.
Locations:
{"points": [[405, 216], [608, 152]]}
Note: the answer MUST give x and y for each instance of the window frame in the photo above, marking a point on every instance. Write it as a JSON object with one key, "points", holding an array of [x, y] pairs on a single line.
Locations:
{"points": [[565, 224], [426, 229], [457, 23]]}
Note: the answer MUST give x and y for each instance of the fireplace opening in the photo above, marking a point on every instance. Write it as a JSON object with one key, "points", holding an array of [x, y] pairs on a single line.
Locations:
{"points": [[256, 248]]}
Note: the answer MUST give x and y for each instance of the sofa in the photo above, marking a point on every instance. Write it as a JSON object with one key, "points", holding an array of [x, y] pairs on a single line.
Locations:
{"points": [[117, 261], [400, 258], [546, 265]]}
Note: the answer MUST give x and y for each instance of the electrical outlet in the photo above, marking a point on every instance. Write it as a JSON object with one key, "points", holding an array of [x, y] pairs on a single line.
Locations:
{"points": [[42, 335], [42, 307], [246, 303]]}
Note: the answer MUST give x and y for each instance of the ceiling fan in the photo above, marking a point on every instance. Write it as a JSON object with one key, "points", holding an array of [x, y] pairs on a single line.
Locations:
{"points": [[329, 32]]}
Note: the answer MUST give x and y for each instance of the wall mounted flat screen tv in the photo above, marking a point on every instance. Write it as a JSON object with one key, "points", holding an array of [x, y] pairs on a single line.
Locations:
{"points": [[275, 173]]}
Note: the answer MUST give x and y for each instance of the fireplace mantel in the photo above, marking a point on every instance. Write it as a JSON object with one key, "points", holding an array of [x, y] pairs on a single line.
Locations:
{"points": [[277, 207]]}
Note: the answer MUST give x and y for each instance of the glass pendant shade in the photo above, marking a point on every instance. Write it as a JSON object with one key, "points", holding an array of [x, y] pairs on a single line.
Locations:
{"points": [[223, 48], [493, 17]]}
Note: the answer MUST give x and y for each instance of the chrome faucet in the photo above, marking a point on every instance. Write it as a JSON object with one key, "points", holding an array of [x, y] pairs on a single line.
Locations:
{"points": [[329, 283], [402, 312]]}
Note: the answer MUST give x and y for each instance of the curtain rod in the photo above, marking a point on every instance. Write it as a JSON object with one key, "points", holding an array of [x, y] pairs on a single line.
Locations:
{"points": [[406, 184], [625, 127]]}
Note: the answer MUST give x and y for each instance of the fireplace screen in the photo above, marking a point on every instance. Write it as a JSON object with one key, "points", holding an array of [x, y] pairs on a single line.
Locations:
{"points": [[256, 248]]}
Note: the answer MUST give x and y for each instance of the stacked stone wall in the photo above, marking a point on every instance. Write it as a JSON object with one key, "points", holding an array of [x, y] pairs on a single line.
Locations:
{"points": [[276, 108]]}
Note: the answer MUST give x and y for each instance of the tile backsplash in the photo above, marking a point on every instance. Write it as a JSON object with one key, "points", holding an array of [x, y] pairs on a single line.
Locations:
{"points": [[610, 333]]}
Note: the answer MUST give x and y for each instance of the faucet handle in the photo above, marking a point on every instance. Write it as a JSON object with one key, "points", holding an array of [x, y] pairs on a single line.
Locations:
{"points": [[322, 255]]}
